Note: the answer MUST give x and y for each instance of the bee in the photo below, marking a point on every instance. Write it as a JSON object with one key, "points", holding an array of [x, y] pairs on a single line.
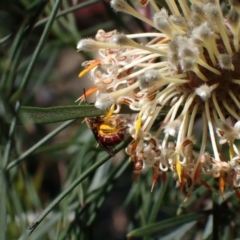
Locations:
{"points": [[108, 132]]}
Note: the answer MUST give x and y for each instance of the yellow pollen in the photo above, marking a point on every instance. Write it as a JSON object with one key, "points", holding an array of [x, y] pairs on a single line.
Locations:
{"points": [[105, 129], [179, 169], [89, 68], [138, 125], [110, 113]]}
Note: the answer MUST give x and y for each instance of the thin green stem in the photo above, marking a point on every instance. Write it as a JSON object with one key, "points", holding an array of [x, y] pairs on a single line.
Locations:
{"points": [[3, 180], [14, 49], [107, 187], [36, 53], [16, 54], [60, 14], [73, 185], [38, 144], [67, 11], [3, 211], [45, 73]]}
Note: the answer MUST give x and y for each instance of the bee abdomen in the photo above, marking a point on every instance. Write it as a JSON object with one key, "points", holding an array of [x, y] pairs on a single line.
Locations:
{"points": [[111, 139]]}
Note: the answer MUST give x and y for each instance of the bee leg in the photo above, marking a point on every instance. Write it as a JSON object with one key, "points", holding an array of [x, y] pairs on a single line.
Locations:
{"points": [[106, 149]]}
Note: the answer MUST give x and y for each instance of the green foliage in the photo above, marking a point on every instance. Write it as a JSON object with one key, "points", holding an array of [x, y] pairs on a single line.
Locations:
{"points": [[54, 182]]}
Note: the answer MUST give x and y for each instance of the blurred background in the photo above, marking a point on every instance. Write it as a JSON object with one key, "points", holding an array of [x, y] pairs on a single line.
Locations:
{"points": [[54, 81], [40, 68]]}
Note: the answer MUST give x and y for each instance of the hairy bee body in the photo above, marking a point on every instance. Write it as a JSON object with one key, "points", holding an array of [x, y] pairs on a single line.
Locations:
{"points": [[108, 133]]}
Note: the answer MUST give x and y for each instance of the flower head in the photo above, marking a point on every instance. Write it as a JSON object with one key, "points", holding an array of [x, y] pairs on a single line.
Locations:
{"points": [[190, 67]]}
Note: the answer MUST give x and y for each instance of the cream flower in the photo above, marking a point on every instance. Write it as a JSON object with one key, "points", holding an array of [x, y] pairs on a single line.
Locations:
{"points": [[190, 67]]}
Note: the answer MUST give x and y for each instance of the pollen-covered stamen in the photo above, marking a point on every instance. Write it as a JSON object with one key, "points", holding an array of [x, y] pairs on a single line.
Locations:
{"points": [[161, 22], [123, 6], [123, 41], [188, 64], [173, 53], [187, 49], [179, 21], [197, 9], [207, 66], [204, 35], [225, 61], [147, 79], [90, 45], [214, 14], [104, 101], [153, 77], [234, 19], [205, 91]]}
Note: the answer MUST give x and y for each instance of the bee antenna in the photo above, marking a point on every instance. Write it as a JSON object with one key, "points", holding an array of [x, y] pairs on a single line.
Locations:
{"points": [[85, 96]]}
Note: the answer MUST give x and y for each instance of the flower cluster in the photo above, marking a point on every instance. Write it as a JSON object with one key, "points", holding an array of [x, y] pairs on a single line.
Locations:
{"points": [[188, 72]]}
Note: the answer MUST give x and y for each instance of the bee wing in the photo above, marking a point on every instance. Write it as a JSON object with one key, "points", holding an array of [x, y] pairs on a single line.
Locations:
{"points": [[106, 148], [95, 133]]}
